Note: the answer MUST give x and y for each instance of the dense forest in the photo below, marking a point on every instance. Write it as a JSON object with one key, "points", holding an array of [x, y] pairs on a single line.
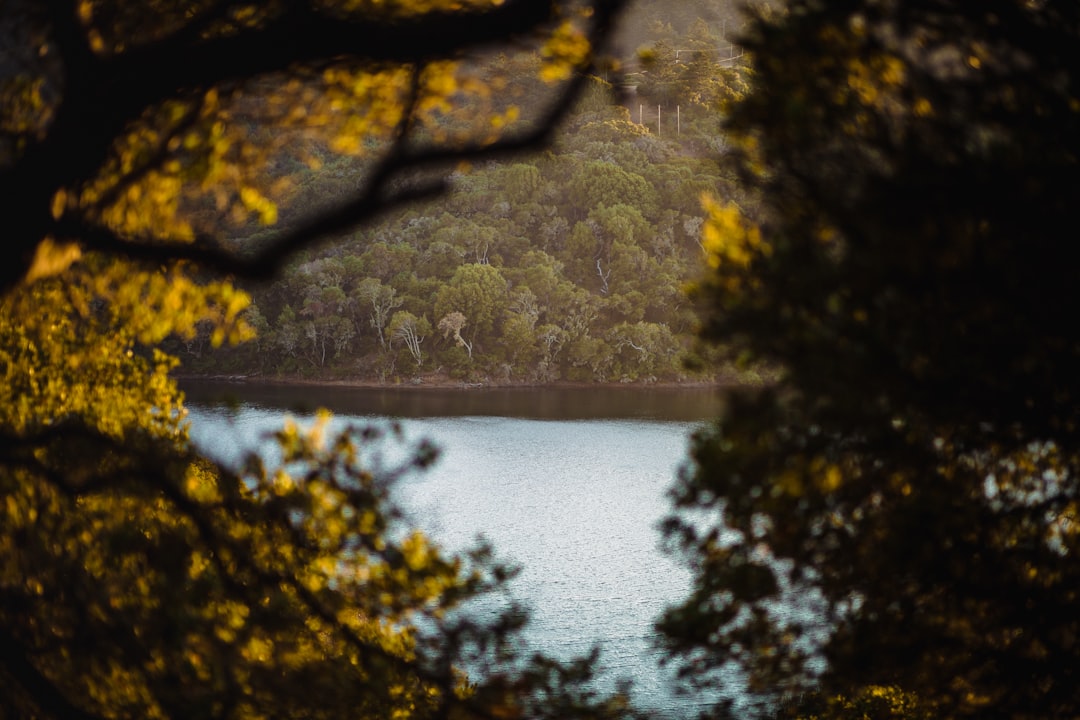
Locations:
{"points": [[886, 529], [572, 265]]}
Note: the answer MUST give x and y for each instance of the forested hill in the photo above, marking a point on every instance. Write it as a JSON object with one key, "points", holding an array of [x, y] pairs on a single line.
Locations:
{"points": [[567, 266]]}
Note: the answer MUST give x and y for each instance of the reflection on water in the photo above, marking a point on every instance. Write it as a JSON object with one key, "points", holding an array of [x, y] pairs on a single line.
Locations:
{"points": [[559, 403], [574, 502]]}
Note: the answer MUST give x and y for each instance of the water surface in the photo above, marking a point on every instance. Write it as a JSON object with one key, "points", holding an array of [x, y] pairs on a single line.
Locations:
{"points": [[570, 486]]}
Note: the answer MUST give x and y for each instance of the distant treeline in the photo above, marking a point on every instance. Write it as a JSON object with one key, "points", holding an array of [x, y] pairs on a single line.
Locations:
{"points": [[568, 266]]}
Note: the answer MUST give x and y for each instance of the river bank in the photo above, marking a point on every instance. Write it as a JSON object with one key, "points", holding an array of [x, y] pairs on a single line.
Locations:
{"points": [[555, 400], [444, 382]]}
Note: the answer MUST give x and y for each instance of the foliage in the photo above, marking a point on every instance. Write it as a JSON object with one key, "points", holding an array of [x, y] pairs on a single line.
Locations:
{"points": [[138, 579], [875, 701], [111, 141], [693, 77], [79, 347], [141, 580], [516, 248], [898, 511], [411, 332], [603, 229]]}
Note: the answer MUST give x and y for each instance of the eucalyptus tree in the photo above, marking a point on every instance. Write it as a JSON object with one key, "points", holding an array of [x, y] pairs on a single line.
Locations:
{"points": [[478, 293], [411, 331], [376, 302]]}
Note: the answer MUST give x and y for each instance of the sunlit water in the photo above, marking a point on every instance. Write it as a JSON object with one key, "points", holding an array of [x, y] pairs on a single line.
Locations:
{"points": [[575, 503]]}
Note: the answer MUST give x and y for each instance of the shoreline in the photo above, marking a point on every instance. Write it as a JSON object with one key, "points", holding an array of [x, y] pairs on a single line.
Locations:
{"points": [[684, 402], [450, 384]]}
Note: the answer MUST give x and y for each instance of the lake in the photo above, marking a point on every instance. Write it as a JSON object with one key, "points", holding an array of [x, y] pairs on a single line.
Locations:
{"points": [[568, 483]]}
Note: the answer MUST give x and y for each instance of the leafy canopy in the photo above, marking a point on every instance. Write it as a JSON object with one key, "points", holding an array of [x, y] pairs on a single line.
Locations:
{"points": [[899, 511], [138, 579]]}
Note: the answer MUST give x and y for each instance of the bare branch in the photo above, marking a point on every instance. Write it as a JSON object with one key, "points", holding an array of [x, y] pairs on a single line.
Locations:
{"points": [[302, 34]]}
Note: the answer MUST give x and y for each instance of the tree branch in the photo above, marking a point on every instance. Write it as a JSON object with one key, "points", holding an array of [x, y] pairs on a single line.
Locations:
{"points": [[373, 200], [112, 91]]}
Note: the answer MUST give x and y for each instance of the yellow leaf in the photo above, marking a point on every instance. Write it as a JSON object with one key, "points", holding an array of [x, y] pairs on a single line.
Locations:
{"points": [[52, 258], [58, 204]]}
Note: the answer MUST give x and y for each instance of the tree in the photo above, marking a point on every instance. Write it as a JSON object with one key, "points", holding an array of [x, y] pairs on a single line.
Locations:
{"points": [[325, 325], [452, 324], [411, 331], [518, 183], [898, 511], [520, 340], [287, 336], [551, 338], [477, 292], [595, 183], [138, 579], [646, 349], [379, 301], [75, 84]]}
